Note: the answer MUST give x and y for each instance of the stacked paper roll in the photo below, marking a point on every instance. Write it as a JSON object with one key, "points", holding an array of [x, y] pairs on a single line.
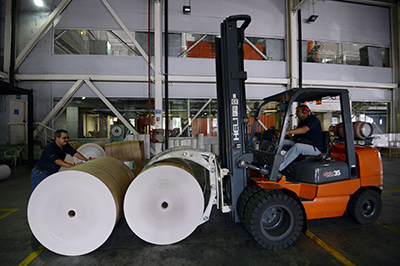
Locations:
{"points": [[171, 143], [92, 150], [73, 212], [165, 203], [75, 144], [5, 171], [127, 151], [194, 143], [200, 141], [146, 140]]}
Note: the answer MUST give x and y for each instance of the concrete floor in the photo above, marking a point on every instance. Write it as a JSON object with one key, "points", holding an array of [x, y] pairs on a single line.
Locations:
{"points": [[334, 241]]}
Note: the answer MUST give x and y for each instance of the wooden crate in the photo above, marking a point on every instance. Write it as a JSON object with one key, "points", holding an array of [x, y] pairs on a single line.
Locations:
{"points": [[390, 151]]}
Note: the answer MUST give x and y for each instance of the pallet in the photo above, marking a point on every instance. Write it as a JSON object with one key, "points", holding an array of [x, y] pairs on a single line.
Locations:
{"points": [[390, 151]]}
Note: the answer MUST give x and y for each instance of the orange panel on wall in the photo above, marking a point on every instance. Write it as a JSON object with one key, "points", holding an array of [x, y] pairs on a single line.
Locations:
{"points": [[207, 50], [267, 120], [202, 50], [207, 126]]}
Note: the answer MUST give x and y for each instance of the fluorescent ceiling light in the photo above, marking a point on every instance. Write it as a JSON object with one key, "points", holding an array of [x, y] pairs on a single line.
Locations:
{"points": [[312, 18], [38, 2], [186, 9]]}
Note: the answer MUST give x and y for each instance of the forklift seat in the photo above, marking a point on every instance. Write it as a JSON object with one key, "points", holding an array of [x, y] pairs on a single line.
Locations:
{"points": [[314, 169], [326, 153]]}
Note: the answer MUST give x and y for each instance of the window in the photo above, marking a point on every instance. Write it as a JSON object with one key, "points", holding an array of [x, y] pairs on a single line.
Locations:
{"points": [[346, 54], [185, 45]]}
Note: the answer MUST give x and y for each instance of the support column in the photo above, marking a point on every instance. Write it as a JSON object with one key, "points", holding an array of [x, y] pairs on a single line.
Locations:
{"points": [[7, 38], [291, 47], [292, 51], [395, 36], [157, 70]]}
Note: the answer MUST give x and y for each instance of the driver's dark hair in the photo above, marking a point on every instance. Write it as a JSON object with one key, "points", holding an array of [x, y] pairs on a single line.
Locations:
{"points": [[57, 134]]}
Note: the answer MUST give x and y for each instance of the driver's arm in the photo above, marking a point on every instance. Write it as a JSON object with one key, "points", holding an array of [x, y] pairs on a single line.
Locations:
{"points": [[298, 131]]}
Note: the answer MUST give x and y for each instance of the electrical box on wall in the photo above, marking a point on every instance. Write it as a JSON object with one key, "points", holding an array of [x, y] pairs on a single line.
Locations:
{"points": [[117, 133]]}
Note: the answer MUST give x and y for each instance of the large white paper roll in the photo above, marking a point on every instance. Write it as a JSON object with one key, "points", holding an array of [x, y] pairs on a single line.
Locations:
{"points": [[164, 204], [91, 150], [73, 212], [5, 171]]}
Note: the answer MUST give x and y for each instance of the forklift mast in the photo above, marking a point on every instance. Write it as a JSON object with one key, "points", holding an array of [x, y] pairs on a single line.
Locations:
{"points": [[231, 97]]}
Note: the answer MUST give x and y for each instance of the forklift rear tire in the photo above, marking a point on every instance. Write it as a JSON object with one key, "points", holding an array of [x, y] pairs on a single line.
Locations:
{"points": [[247, 193], [365, 206], [274, 219]]}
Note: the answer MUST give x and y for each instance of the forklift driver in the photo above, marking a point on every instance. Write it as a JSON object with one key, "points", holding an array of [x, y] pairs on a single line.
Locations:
{"points": [[307, 139]]}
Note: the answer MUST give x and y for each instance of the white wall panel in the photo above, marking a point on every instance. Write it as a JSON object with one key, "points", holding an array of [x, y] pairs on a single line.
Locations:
{"points": [[92, 14], [108, 89], [206, 67], [345, 22], [268, 17], [347, 73], [265, 69], [42, 61], [371, 95]]}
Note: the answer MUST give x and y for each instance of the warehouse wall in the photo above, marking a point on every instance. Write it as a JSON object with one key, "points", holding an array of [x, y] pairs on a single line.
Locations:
{"points": [[338, 22], [345, 22]]}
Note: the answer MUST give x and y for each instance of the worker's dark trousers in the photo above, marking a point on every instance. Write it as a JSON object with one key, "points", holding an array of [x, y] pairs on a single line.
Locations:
{"points": [[37, 176], [295, 151]]}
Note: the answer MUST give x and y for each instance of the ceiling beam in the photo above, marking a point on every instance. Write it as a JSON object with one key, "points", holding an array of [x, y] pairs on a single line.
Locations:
{"points": [[299, 5], [388, 3]]}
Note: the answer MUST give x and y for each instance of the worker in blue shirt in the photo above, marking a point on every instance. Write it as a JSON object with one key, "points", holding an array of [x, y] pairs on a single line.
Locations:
{"points": [[307, 138], [52, 158]]}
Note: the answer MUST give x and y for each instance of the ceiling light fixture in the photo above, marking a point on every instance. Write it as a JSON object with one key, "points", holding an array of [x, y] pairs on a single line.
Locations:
{"points": [[187, 9], [38, 2], [313, 17]]}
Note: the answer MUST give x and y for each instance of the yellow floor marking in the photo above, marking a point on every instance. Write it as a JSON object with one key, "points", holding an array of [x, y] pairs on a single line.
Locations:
{"points": [[390, 191], [32, 256], [9, 211], [336, 254], [389, 227]]}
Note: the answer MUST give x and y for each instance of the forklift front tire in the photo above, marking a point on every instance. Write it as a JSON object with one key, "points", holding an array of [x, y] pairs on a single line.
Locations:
{"points": [[244, 198], [274, 219]]}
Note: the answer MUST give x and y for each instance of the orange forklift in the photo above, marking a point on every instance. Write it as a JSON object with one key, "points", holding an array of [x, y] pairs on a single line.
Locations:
{"points": [[274, 208]]}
